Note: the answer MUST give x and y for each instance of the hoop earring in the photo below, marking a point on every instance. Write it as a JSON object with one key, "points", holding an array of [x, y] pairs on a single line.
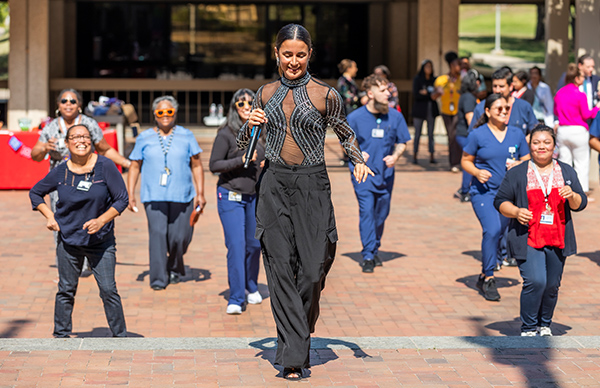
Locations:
{"points": [[277, 61], [57, 113], [80, 111]]}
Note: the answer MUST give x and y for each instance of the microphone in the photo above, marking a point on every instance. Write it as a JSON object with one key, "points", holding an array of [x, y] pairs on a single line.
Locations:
{"points": [[253, 143]]}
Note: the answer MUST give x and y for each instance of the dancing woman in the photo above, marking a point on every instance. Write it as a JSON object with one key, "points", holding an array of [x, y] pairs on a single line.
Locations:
{"points": [[295, 221]]}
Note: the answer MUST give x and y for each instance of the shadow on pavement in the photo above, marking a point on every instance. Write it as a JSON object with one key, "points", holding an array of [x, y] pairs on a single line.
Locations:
{"points": [[384, 256], [593, 256], [263, 289], [102, 332], [191, 274], [531, 361], [501, 282], [513, 328], [13, 328], [475, 254], [323, 355]]}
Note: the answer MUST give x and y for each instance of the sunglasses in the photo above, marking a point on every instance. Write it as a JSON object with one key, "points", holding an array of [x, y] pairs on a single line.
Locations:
{"points": [[72, 101], [80, 137], [243, 104], [164, 112], [503, 108]]}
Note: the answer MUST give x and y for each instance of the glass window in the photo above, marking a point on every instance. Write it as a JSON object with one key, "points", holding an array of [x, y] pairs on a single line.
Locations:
{"points": [[219, 40]]}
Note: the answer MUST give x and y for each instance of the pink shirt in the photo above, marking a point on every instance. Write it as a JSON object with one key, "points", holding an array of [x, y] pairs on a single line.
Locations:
{"points": [[571, 107]]}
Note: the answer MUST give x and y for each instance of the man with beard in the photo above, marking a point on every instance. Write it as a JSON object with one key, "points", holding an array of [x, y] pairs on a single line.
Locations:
{"points": [[382, 135]]}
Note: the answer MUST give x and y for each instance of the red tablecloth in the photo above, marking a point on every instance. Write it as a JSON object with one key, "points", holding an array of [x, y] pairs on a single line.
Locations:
{"points": [[18, 170]]}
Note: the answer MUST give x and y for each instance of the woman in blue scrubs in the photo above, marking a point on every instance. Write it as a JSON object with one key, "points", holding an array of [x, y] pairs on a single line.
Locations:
{"points": [[492, 148]]}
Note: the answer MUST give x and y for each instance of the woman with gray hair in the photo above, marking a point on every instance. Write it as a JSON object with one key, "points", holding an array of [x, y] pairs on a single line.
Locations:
{"points": [[168, 157]]}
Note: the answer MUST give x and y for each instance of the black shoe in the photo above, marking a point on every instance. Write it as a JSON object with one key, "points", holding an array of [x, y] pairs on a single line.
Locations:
{"points": [[292, 374], [174, 278], [458, 194], [415, 161], [480, 281], [368, 266], [432, 160], [490, 291], [498, 267], [509, 262], [377, 260], [466, 198], [158, 288]]}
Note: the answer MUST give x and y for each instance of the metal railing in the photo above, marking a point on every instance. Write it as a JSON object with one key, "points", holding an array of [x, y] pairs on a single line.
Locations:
{"points": [[194, 96]]}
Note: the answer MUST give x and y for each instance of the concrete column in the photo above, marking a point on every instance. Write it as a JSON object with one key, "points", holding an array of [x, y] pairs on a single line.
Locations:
{"points": [[557, 40], [437, 31], [28, 61], [588, 29], [429, 28], [376, 34]]}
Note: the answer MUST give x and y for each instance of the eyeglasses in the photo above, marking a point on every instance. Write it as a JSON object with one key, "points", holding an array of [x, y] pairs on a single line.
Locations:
{"points": [[80, 137], [243, 104], [72, 101], [164, 112], [505, 108]]}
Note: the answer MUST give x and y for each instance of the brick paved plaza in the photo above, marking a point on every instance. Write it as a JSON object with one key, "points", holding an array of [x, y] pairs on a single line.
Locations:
{"points": [[416, 321]]}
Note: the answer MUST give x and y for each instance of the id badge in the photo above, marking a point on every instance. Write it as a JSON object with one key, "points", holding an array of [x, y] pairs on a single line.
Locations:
{"points": [[235, 197], [84, 186], [163, 179], [377, 133], [509, 161], [547, 218], [512, 150]]}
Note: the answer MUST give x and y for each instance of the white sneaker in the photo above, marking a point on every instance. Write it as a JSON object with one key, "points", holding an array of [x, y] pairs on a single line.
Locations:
{"points": [[255, 298], [544, 331], [234, 309], [529, 334]]}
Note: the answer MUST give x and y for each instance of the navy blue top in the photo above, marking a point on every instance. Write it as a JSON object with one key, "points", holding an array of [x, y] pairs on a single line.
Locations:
{"points": [[521, 116], [395, 131], [492, 155], [514, 190], [75, 207]]}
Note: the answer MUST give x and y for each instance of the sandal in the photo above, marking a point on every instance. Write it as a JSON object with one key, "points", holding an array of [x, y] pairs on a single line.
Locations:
{"points": [[292, 374]]}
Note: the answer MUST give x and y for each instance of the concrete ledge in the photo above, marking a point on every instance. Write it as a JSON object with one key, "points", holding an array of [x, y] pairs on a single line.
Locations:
{"points": [[99, 344]]}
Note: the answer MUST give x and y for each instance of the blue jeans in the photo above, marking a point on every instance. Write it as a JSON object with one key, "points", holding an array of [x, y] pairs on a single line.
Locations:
{"points": [[243, 250], [541, 273], [102, 261], [493, 224], [466, 177]]}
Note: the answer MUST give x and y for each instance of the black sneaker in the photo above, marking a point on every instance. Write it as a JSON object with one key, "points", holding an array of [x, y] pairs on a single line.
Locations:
{"points": [[509, 262], [377, 260], [466, 198], [490, 291], [498, 267], [368, 266], [480, 281], [174, 278]]}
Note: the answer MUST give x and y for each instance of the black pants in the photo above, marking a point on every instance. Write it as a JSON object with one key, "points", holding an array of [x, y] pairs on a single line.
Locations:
{"points": [[170, 235], [296, 228], [454, 150]]}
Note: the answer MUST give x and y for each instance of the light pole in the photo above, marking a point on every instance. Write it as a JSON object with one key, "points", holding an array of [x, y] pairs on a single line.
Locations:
{"points": [[497, 49]]}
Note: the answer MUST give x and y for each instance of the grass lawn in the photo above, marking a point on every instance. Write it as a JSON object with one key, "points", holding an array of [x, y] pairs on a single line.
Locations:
{"points": [[477, 28]]}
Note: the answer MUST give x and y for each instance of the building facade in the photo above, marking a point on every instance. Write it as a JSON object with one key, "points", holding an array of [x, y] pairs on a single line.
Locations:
{"points": [[203, 51]]}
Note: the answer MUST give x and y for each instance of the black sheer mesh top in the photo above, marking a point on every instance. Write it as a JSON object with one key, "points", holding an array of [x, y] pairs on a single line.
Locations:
{"points": [[299, 113]]}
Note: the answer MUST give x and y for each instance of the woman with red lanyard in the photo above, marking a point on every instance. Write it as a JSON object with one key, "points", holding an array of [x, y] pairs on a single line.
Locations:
{"points": [[538, 197]]}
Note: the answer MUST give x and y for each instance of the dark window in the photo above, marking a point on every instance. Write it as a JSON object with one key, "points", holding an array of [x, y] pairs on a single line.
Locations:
{"points": [[185, 40]]}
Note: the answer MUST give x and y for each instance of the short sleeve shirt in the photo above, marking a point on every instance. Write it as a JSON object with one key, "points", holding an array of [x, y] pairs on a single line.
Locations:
{"points": [[179, 185], [57, 129], [493, 156], [450, 96], [466, 104], [378, 137]]}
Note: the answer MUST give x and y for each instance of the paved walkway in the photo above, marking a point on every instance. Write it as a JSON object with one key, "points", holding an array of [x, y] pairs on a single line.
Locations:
{"points": [[425, 289]]}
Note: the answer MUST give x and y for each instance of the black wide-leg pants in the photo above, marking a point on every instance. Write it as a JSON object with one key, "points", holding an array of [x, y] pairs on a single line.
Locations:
{"points": [[295, 224]]}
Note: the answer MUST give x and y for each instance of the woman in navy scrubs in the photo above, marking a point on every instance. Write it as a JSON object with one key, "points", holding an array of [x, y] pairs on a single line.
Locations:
{"points": [[492, 148]]}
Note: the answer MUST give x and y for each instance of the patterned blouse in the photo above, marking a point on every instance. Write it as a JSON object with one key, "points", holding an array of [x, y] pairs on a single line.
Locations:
{"points": [[299, 113]]}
